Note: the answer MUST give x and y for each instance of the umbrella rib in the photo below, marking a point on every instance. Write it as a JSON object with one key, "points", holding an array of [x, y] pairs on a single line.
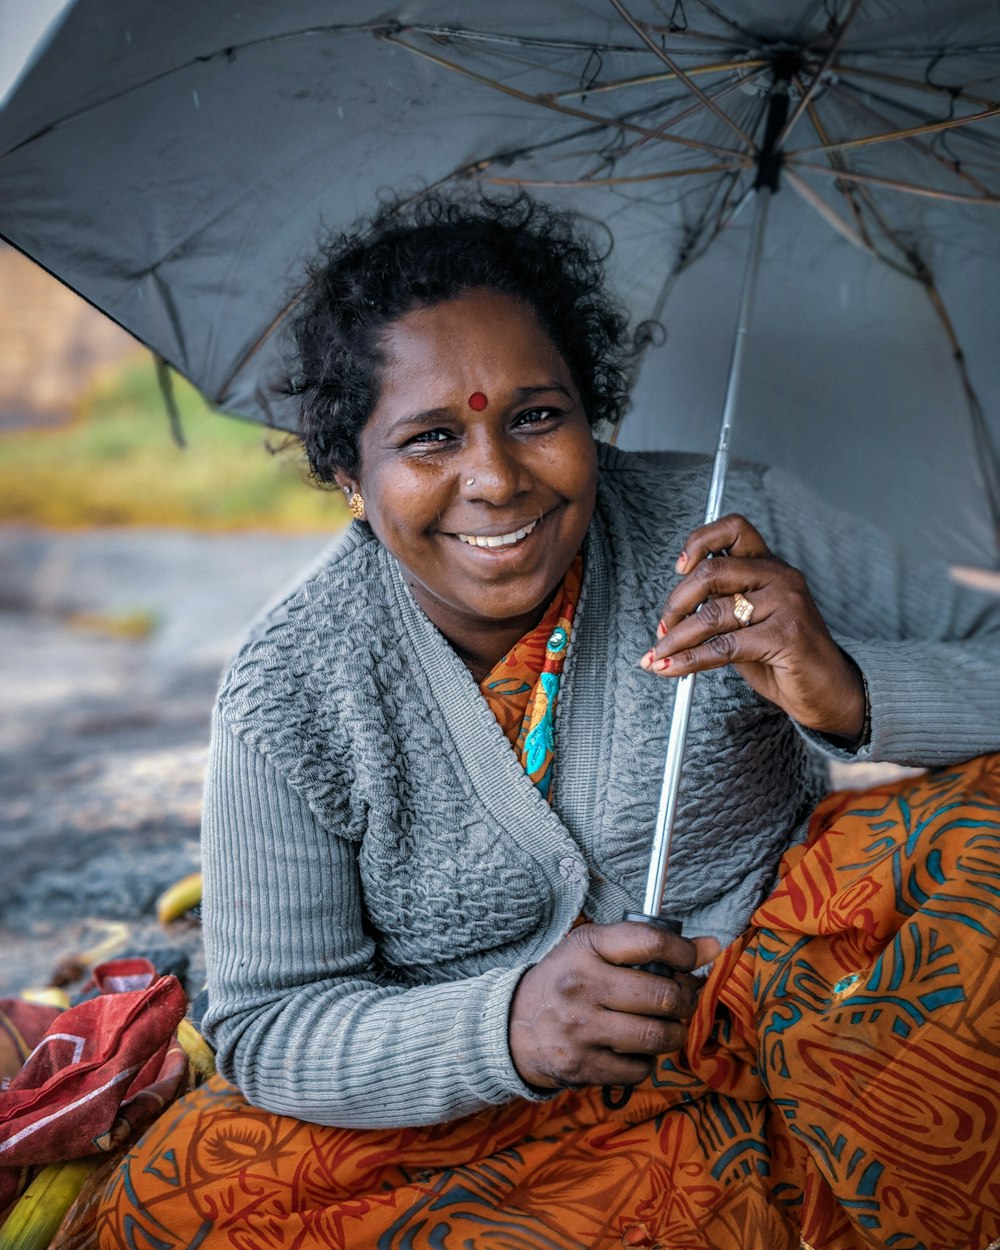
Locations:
{"points": [[980, 136], [989, 462], [725, 89], [919, 272], [523, 41], [834, 219], [915, 266], [645, 80], [828, 58], [849, 192], [612, 123], [672, 65], [908, 132], [614, 181], [719, 17], [896, 80], [895, 184], [952, 166]]}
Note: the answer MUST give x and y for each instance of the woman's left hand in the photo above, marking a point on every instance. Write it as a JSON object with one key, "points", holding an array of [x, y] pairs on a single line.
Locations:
{"points": [[781, 647]]}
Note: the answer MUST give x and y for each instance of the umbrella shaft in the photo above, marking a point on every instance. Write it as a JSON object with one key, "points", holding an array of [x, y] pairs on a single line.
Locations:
{"points": [[684, 691], [713, 507]]}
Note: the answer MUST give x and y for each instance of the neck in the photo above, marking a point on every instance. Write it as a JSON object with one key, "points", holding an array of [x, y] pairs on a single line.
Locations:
{"points": [[481, 655], [480, 645]]}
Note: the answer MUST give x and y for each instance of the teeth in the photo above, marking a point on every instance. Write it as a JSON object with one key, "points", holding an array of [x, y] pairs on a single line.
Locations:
{"points": [[497, 540]]}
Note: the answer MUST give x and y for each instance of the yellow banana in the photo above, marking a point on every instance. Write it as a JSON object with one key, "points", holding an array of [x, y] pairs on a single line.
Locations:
{"points": [[39, 1211], [179, 898], [48, 996], [198, 1051]]}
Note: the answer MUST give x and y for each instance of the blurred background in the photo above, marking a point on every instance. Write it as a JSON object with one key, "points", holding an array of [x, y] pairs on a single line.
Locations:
{"points": [[129, 567]]}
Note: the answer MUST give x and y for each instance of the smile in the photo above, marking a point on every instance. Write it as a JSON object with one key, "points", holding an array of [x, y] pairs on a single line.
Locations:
{"points": [[496, 540]]}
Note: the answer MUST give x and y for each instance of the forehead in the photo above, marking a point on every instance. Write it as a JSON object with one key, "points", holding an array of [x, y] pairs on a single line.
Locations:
{"points": [[477, 339]]}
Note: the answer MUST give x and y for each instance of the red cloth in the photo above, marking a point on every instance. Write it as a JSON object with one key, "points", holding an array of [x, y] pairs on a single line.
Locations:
{"points": [[97, 1073]]}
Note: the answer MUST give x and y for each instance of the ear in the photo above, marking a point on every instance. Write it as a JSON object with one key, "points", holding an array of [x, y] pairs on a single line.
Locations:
{"points": [[344, 481]]}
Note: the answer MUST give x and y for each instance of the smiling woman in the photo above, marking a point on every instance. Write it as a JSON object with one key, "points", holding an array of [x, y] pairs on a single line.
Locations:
{"points": [[483, 507], [435, 769]]}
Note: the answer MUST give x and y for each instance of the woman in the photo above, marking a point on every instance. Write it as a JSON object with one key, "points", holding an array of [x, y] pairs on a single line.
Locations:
{"points": [[419, 979]]}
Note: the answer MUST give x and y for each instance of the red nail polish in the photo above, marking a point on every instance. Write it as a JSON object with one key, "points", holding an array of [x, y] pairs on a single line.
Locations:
{"points": [[661, 629], [663, 664]]}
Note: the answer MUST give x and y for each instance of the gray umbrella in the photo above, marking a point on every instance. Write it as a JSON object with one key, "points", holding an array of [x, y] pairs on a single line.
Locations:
{"points": [[175, 163]]}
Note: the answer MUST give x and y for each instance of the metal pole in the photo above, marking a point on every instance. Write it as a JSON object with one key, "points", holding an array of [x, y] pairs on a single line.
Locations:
{"points": [[660, 854]]}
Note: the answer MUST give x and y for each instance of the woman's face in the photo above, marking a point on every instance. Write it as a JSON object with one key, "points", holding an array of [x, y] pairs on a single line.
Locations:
{"points": [[483, 505]]}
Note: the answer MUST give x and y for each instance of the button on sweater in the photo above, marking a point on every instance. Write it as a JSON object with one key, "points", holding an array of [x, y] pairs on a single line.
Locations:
{"points": [[379, 871]]}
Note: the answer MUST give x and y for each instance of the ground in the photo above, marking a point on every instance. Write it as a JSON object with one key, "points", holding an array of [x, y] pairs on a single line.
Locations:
{"points": [[111, 648]]}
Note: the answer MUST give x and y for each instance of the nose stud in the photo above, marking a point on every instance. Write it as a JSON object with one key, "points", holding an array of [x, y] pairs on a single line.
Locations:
{"points": [[470, 481]]}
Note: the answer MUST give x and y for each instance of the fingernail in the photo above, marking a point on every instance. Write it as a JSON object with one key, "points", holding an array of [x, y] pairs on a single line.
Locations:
{"points": [[682, 559], [663, 665], [647, 660], [661, 629]]}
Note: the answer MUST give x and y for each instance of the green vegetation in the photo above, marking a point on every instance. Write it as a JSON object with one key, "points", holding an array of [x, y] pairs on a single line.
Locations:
{"points": [[117, 464]]}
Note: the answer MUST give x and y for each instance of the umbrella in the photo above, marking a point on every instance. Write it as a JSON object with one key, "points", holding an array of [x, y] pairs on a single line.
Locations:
{"points": [[174, 164]]}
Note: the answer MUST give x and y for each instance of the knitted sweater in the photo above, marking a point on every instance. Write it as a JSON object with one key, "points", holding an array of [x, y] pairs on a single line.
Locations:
{"points": [[380, 872]]}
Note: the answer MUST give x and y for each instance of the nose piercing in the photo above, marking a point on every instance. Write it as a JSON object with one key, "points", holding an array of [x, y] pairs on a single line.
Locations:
{"points": [[470, 481]]}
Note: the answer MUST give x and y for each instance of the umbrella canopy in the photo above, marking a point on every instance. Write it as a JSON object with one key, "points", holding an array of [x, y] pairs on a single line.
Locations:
{"points": [[176, 164]]}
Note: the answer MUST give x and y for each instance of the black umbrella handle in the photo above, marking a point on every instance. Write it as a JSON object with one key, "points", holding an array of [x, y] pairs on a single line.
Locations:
{"points": [[661, 922], [615, 1097]]}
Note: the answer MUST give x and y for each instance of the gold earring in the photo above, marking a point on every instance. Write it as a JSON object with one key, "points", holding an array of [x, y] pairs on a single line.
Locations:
{"points": [[357, 506]]}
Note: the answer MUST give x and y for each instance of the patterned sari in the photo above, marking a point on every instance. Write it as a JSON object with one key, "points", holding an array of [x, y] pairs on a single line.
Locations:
{"points": [[839, 1089]]}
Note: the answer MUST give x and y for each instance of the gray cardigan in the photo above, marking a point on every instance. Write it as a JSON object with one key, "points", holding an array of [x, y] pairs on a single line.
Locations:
{"points": [[379, 871]]}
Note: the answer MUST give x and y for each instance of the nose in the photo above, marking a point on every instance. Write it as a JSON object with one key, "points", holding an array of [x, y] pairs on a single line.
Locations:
{"points": [[492, 472]]}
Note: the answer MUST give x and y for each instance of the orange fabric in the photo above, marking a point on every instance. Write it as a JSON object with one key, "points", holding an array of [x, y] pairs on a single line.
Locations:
{"points": [[839, 1086], [515, 689]]}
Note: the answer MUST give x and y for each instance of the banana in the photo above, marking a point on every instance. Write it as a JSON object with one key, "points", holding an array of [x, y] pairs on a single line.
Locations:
{"points": [[179, 898], [198, 1051], [48, 996], [37, 1214]]}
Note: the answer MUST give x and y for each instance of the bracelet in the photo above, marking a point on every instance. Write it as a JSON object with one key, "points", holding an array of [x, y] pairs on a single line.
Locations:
{"points": [[866, 725]]}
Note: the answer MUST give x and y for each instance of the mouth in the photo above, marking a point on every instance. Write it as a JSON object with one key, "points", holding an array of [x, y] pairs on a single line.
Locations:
{"points": [[498, 540]]}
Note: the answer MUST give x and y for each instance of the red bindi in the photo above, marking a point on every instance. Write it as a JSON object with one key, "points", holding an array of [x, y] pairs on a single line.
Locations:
{"points": [[477, 401]]}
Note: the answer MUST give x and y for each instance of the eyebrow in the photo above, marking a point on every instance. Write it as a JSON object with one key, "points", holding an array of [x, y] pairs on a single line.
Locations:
{"points": [[520, 395]]}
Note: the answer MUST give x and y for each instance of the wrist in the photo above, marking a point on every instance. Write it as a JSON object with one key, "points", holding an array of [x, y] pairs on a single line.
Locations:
{"points": [[854, 731]]}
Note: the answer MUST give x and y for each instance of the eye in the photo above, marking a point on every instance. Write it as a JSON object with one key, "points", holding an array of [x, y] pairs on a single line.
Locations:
{"points": [[429, 436], [536, 416]]}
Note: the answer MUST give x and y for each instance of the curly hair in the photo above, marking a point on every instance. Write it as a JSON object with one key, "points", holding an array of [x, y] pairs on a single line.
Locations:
{"points": [[419, 254]]}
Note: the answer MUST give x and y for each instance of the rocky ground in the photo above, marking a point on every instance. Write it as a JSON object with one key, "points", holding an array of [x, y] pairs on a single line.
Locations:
{"points": [[111, 648]]}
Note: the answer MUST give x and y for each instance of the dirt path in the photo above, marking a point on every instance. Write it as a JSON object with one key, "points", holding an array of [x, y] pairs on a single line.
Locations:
{"points": [[103, 737]]}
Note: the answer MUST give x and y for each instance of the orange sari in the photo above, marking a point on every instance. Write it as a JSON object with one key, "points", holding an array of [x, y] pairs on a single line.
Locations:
{"points": [[840, 1087]]}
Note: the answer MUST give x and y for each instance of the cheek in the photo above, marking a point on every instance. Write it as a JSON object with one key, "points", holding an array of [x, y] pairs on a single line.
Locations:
{"points": [[580, 471], [404, 501]]}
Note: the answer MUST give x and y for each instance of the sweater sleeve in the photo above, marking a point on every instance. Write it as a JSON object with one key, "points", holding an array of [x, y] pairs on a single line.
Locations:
{"points": [[298, 1018], [929, 648]]}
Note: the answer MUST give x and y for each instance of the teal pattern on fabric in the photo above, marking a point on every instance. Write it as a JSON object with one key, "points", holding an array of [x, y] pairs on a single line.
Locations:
{"points": [[541, 739]]}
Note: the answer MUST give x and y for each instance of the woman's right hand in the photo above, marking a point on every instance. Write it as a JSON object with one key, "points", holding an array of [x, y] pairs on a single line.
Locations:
{"points": [[583, 1015]]}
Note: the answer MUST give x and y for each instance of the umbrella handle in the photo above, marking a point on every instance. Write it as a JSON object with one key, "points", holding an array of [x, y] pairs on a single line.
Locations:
{"points": [[615, 1097], [660, 922], [660, 854]]}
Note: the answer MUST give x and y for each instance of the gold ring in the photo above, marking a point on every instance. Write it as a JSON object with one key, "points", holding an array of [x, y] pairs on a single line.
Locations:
{"points": [[742, 609]]}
